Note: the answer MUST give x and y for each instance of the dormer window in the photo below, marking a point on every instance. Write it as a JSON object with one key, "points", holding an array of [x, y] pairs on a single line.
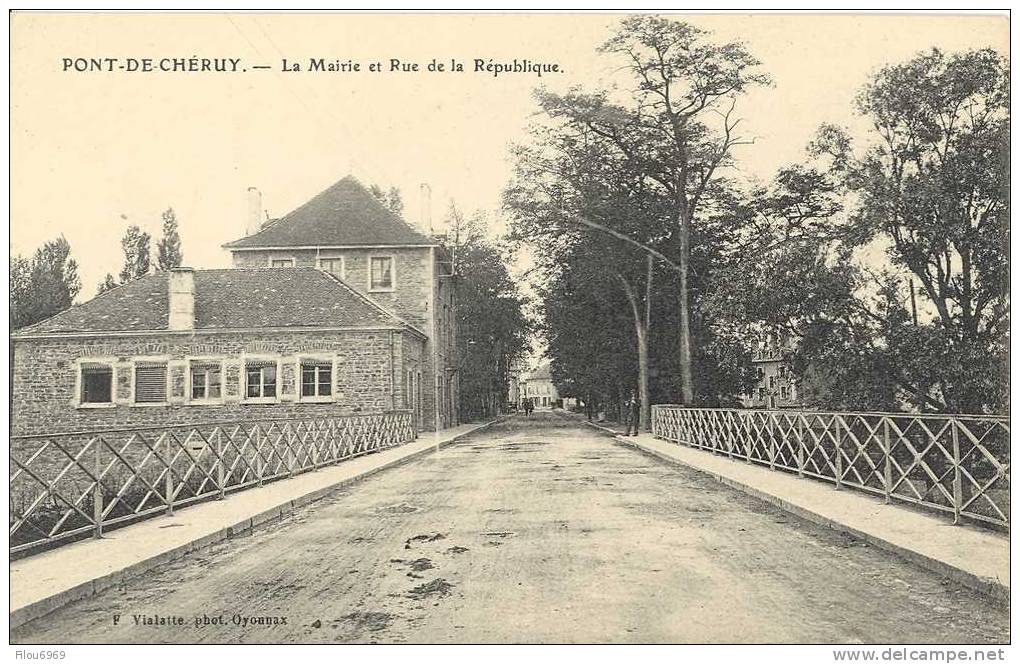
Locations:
{"points": [[381, 277]]}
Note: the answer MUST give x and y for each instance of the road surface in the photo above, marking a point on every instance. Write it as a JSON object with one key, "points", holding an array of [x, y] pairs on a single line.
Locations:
{"points": [[536, 530]]}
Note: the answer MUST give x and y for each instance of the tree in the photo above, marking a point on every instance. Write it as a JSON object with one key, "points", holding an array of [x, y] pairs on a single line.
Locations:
{"points": [[135, 244], [492, 331], [929, 193], [168, 249], [685, 85], [395, 202], [107, 284], [391, 198], [45, 285]]}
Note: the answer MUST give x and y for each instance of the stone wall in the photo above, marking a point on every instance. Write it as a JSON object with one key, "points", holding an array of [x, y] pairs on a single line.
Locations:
{"points": [[410, 298], [45, 377], [420, 297]]}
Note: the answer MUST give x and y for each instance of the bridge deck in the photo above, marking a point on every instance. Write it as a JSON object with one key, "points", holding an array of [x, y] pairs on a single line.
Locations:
{"points": [[536, 530]]}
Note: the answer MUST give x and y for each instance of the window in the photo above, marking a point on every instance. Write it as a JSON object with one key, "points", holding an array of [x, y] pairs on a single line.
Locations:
{"points": [[150, 382], [761, 393], [260, 379], [772, 382], [206, 380], [334, 266], [759, 373], [281, 262], [784, 392], [380, 273], [96, 383], [316, 379]]}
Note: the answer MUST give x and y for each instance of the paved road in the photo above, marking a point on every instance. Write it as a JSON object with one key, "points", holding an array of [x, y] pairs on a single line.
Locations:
{"points": [[537, 530]]}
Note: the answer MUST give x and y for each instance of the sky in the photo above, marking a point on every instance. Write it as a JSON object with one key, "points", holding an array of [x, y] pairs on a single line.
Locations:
{"points": [[93, 152]]}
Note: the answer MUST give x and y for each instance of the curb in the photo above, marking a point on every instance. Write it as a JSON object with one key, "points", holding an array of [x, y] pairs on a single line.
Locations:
{"points": [[989, 587], [49, 604]]}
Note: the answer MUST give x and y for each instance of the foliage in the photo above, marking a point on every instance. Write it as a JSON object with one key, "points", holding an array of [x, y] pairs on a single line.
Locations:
{"points": [[605, 182], [44, 285], [492, 331], [135, 244], [168, 249], [108, 283], [391, 198], [832, 252]]}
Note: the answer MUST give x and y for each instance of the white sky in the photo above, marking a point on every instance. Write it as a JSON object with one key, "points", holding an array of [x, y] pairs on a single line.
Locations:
{"points": [[95, 152]]}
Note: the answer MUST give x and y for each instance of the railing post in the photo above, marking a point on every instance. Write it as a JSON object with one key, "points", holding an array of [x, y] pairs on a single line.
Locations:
{"points": [[800, 445], [887, 452], [839, 454], [260, 460], [221, 474], [747, 437], [729, 434], [957, 475], [169, 484], [290, 451], [97, 492], [772, 440]]}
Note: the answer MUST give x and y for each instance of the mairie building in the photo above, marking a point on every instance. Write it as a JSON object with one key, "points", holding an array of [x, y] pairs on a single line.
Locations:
{"points": [[339, 307]]}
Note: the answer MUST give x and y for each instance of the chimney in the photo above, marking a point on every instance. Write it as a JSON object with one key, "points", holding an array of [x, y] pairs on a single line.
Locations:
{"points": [[254, 221], [426, 209], [182, 298]]}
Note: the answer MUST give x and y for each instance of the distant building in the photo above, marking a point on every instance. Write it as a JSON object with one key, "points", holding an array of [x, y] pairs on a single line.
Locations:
{"points": [[539, 387], [775, 385], [348, 232]]}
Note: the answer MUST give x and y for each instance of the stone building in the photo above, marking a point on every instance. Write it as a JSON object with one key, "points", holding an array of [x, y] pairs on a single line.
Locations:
{"points": [[211, 345], [348, 232], [539, 387], [775, 385]]}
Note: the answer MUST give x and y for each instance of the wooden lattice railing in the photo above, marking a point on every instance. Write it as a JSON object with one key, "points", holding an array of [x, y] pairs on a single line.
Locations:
{"points": [[70, 485], [955, 464]]}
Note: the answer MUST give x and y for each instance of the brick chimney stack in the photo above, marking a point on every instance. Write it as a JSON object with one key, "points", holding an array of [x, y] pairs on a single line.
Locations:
{"points": [[254, 221], [182, 299]]}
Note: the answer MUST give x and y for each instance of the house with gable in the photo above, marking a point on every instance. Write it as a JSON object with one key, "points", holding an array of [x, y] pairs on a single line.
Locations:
{"points": [[337, 308], [189, 346], [348, 232]]}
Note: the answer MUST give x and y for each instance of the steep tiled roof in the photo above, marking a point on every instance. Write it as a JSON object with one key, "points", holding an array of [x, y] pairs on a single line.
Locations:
{"points": [[346, 214], [234, 299], [543, 372]]}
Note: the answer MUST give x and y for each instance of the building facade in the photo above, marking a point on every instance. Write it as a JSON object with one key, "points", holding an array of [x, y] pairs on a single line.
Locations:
{"points": [[214, 345], [538, 386], [775, 385], [348, 232]]}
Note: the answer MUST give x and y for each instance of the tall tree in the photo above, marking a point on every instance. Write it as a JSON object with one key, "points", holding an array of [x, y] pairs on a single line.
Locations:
{"points": [[492, 331], [45, 285], [135, 244], [678, 130], [168, 249], [927, 204]]}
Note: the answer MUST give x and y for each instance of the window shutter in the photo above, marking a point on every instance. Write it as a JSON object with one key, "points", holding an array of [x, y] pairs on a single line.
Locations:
{"points": [[150, 383]]}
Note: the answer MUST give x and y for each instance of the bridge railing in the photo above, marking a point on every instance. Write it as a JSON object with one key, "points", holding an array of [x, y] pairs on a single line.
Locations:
{"points": [[70, 485], [956, 464]]}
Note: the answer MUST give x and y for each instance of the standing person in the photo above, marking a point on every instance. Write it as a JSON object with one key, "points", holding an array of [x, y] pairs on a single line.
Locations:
{"points": [[633, 415]]}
